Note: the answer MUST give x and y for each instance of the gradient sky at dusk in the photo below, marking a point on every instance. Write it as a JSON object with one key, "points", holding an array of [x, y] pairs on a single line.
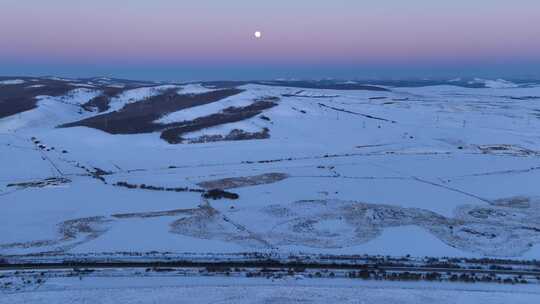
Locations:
{"points": [[213, 39]]}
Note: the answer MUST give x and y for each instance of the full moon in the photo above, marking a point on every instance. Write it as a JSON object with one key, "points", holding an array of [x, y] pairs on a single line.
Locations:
{"points": [[258, 34]]}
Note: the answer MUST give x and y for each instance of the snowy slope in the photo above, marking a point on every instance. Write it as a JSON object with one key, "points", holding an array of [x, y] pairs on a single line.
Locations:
{"points": [[50, 111], [138, 94], [251, 93]]}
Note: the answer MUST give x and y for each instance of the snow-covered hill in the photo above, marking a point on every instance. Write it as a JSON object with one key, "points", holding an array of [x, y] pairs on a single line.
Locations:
{"points": [[105, 165]]}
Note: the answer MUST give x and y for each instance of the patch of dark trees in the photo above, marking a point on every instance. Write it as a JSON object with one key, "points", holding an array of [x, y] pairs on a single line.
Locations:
{"points": [[19, 98], [101, 102], [22, 97], [173, 135], [139, 117]]}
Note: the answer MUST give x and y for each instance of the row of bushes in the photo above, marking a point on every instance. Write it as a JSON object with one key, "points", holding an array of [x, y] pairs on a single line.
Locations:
{"points": [[156, 188], [234, 135], [433, 276], [214, 194]]}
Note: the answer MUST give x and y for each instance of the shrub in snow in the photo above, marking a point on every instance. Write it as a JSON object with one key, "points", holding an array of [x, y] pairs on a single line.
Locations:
{"points": [[216, 194]]}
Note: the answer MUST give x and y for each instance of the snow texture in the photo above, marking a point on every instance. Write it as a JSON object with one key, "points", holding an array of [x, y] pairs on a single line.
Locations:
{"points": [[437, 170]]}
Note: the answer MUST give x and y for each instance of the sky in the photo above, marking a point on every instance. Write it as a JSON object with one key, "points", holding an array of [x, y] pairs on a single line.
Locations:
{"points": [[213, 39]]}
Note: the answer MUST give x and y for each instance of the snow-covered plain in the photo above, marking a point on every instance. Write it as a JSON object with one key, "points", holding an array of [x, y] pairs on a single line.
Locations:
{"points": [[436, 171], [11, 82], [257, 290]]}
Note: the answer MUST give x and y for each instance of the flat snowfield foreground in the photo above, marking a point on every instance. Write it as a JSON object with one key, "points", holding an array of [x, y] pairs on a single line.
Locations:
{"points": [[237, 290]]}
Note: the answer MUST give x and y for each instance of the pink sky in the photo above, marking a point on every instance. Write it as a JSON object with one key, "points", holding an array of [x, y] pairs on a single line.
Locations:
{"points": [[316, 32]]}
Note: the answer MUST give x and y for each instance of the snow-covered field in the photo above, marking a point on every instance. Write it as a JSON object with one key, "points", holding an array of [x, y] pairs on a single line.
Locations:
{"points": [[259, 290], [436, 170]]}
